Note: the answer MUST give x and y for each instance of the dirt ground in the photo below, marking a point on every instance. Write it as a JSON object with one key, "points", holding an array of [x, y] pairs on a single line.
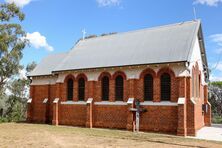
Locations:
{"points": [[39, 135]]}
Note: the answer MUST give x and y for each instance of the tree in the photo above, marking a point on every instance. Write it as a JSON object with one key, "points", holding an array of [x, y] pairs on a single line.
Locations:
{"points": [[215, 98], [12, 42], [17, 101], [30, 67]]}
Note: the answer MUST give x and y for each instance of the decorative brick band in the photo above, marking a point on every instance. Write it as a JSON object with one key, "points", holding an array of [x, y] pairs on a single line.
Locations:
{"points": [[74, 102], [163, 103], [111, 103]]}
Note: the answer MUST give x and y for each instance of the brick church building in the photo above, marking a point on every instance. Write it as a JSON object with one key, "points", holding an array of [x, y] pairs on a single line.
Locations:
{"points": [[96, 83]]}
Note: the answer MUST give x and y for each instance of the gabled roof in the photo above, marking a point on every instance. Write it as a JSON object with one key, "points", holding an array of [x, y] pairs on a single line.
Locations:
{"points": [[164, 44], [48, 64]]}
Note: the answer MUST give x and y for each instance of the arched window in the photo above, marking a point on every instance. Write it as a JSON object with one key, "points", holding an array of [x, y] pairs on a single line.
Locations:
{"points": [[70, 89], [165, 87], [193, 89], [119, 88], [81, 90], [148, 87], [198, 82], [105, 88]]}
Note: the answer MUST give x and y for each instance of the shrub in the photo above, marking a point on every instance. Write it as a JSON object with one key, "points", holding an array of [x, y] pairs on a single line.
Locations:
{"points": [[3, 119], [217, 119]]}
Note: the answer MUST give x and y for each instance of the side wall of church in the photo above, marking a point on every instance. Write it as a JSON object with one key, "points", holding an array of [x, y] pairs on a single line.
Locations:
{"points": [[160, 116]]}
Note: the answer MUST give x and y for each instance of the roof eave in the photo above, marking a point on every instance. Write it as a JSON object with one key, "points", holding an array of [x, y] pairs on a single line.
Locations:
{"points": [[199, 33], [57, 71]]}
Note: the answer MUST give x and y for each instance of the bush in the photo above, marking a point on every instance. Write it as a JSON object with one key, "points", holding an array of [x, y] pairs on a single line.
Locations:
{"points": [[217, 119], [16, 110], [3, 119]]}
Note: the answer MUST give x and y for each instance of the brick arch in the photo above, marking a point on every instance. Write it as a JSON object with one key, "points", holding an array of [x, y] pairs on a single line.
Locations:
{"points": [[193, 68], [197, 66], [65, 89], [119, 73], [147, 71], [81, 75], [166, 70], [68, 77], [174, 88], [197, 80], [193, 82], [140, 84], [125, 92], [104, 74]]}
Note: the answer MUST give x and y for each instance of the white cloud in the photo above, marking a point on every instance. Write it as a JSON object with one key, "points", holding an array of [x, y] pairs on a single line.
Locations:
{"points": [[217, 38], [105, 3], [19, 3], [208, 2], [38, 41], [215, 78], [22, 74]]}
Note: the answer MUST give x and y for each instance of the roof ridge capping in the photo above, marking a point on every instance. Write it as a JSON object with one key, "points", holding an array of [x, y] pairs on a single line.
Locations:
{"points": [[149, 28]]}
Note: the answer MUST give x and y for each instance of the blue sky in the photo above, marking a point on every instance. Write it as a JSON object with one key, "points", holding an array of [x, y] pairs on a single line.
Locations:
{"points": [[54, 26]]}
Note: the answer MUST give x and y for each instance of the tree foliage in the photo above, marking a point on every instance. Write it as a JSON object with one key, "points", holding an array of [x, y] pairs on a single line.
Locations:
{"points": [[215, 98], [31, 67], [12, 41], [217, 83], [17, 101]]}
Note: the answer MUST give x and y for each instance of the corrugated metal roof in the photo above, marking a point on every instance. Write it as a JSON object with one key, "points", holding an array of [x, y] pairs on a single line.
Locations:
{"points": [[170, 43], [48, 64]]}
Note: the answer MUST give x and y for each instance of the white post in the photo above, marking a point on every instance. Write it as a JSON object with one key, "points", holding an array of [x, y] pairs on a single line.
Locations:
{"points": [[137, 121]]}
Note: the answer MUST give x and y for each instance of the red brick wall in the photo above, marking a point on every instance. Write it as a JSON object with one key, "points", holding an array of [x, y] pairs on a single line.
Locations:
{"points": [[110, 116], [51, 97], [156, 85], [39, 94], [207, 115], [195, 115], [199, 114], [159, 119], [72, 115]]}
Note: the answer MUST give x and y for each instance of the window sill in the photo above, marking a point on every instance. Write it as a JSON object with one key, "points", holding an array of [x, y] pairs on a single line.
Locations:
{"points": [[74, 102], [110, 103], [162, 103]]}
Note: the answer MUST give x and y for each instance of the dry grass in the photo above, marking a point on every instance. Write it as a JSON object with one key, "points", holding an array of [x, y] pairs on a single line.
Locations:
{"points": [[38, 135]]}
